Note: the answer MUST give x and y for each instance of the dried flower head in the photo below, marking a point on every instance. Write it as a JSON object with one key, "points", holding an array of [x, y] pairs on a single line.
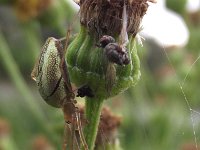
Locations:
{"points": [[104, 17]]}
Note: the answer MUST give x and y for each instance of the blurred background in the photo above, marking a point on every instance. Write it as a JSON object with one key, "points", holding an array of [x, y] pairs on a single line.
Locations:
{"points": [[156, 113]]}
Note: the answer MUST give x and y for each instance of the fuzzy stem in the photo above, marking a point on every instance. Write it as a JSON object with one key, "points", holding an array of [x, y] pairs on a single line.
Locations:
{"points": [[93, 112]]}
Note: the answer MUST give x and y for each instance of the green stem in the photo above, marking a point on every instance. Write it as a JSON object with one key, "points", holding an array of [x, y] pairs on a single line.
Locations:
{"points": [[93, 112], [15, 75], [31, 32]]}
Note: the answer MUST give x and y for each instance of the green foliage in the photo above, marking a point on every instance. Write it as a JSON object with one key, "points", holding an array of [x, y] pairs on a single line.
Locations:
{"points": [[155, 114], [178, 6]]}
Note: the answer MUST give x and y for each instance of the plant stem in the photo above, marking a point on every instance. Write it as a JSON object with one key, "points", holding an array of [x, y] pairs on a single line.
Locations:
{"points": [[16, 77], [93, 112], [31, 32]]}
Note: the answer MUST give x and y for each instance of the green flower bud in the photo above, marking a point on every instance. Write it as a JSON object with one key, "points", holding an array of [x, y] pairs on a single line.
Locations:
{"points": [[87, 62]]}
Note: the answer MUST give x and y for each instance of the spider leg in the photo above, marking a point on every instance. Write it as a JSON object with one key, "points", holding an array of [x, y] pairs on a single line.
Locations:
{"points": [[70, 141], [63, 66], [79, 126], [74, 138]]}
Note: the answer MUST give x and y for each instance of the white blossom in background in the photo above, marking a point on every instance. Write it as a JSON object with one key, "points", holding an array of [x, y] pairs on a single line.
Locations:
{"points": [[193, 5], [74, 4], [164, 26]]}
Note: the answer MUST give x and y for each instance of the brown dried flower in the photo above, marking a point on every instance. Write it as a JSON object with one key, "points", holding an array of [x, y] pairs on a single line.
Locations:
{"points": [[104, 17]]}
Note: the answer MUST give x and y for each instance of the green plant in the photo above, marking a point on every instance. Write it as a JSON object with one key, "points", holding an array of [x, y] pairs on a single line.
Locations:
{"points": [[88, 63]]}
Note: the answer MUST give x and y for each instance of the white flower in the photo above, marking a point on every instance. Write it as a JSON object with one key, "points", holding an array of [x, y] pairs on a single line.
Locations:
{"points": [[164, 26]]}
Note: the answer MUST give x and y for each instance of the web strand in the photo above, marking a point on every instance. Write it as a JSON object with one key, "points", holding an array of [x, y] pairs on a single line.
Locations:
{"points": [[190, 69], [183, 92]]}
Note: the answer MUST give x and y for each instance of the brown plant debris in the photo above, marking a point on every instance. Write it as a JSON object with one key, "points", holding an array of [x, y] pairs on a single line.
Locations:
{"points": [[104, 17], [4, 128], [41, 143], [189, 146], [27, 9], [108, 126]]}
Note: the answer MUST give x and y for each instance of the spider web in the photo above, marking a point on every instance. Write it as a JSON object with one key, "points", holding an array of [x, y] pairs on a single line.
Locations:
{"points": [[181, 84]]}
